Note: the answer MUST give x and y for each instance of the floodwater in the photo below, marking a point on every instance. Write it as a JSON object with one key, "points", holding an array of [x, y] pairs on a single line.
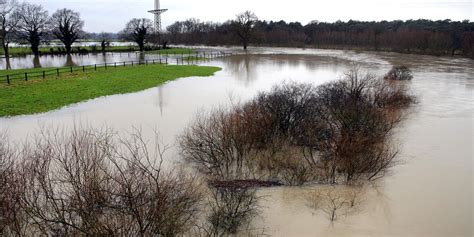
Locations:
{"points": [[429, 194], [45, 61], [75, 59]]}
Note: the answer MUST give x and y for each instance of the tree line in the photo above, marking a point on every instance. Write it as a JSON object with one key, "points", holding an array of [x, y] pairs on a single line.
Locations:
{"points": [[32, 24], [442, 37]]}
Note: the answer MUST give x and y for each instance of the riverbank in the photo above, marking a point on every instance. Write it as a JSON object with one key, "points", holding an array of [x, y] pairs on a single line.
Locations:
{"points": [[42, 95]]}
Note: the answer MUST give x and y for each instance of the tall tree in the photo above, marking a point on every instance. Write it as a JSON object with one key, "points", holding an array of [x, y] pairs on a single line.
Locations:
{"points": [[138, 30], [32, 22], [8, 25], [67, 27], [244, 25]]}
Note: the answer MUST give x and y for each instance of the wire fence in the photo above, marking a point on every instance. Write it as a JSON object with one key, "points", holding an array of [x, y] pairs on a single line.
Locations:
{"points": [[183, 59]]}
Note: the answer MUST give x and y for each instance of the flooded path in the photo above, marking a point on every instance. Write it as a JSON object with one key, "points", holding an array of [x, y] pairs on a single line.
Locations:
{"points": [[429, 194]]}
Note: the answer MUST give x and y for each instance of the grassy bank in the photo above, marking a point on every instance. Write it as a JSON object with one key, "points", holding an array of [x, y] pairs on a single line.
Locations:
{"points": [[21, 51], [41, 95]]}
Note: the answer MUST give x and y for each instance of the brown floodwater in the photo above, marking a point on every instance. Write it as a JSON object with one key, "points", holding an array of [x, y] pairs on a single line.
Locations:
{"points": [[430, 193]]}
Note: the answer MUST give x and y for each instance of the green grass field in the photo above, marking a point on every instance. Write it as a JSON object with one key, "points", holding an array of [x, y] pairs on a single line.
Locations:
{"points": [[172, 51], [42, 95]]}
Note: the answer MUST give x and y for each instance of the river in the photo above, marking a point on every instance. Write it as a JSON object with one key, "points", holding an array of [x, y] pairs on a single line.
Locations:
{"points": [[430, 193]]}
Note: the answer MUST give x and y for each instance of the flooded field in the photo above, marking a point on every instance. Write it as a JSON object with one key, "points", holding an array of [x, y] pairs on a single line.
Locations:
{"points": [[430, 193], [72, 60]]}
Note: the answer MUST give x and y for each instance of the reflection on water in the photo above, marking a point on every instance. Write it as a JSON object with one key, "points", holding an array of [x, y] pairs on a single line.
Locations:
{"points": [[36, 62], [8, 64], [430, 194], [69, 61], [45, 61]]}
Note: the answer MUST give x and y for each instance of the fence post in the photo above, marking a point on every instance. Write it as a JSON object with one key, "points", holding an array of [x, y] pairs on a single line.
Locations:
{"points": [[71, 69], [132, 63], [124, 64], [57, 72], [177, 61], [83, 68], [95, 67], [105, 66], [115, 64], [8, 79], [26, 76], [44, 74]]}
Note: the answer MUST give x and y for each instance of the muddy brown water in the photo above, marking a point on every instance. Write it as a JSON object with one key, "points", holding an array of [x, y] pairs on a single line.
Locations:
{"points": [[429, 194]]}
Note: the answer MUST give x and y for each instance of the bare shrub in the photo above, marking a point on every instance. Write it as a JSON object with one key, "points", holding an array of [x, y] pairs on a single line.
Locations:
{"points": [[359, 112], [399, 73], [67, 183], [231, 209], [284, 162], [217, 144], [297, 133], [243, 141], [12, 217], [335, 201], [288, 106], [89, 182], [159, 202]]}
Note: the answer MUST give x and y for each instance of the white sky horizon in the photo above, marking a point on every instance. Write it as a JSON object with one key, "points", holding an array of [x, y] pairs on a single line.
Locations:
{"points": [[112, 15]]}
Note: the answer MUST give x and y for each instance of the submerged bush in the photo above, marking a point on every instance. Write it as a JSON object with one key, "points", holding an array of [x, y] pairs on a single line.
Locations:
{"points": [[298, 133], [334, 201], [231, 209], [399, 73]]}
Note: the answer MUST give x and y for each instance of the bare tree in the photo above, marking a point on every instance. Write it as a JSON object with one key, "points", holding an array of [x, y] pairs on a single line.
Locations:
{"points": [[175, 30], [67, 27], [8, 25], [138, 30], [32, 24], [104, 41], [243, 27]]}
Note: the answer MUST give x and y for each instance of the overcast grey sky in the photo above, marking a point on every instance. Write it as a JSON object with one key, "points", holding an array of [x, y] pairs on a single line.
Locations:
{"points": [[112, 15]]}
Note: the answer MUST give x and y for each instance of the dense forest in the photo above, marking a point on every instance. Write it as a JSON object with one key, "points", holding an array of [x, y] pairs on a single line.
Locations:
{"points": [[413, 36]]}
